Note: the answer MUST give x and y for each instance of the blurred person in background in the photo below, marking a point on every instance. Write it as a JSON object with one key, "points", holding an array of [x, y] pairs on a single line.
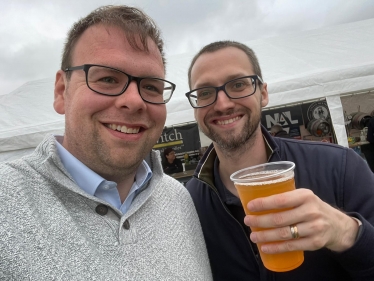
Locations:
{"points": [[171, 164], [278, 131]]}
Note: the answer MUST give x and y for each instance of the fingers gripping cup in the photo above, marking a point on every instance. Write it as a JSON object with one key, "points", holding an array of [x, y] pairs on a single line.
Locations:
{"points": [[262, 181]]}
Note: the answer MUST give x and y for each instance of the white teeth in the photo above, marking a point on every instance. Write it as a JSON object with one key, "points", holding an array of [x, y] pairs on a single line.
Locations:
{"points": [[124, 129], [225, 122]]}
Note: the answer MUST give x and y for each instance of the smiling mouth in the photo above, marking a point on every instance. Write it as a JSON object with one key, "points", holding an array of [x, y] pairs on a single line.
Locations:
{"points": [[123, 128], [228, 121]]}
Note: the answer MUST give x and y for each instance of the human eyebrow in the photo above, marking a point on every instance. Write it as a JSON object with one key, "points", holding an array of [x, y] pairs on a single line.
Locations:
{"points": [[227, 79]]}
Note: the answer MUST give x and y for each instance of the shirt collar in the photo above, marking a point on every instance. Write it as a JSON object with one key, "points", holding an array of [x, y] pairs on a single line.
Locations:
{"points": [[87, 179], [143, 174]]}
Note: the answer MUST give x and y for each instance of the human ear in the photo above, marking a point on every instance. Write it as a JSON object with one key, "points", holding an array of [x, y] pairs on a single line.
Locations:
{"points": [[264, 95], [59, 92]]}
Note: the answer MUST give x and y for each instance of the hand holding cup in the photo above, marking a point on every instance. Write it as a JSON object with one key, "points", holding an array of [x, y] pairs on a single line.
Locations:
{"points": [[262, 181]]}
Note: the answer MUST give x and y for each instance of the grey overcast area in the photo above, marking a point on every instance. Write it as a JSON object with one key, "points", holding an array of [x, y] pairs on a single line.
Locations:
{"points": [[33, 31]]}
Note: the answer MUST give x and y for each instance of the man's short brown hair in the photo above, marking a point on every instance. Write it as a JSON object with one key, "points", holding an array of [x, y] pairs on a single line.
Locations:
{"points": [[135, 24], [215, 46]]}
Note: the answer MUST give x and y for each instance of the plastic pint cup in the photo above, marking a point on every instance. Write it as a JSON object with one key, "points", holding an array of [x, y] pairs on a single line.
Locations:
{"points": [[262, 181]]}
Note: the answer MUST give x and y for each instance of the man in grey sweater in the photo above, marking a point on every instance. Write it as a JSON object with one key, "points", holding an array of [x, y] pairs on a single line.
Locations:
{"points": [[94, 204]]}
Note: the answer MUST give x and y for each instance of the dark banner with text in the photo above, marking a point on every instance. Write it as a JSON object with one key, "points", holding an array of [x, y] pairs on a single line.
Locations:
{"points": [[183, 139], [286, 116], [289, 117]]}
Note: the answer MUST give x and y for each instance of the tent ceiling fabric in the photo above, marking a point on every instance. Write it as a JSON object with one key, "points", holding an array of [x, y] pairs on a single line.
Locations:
{"points": [[303, 66]]}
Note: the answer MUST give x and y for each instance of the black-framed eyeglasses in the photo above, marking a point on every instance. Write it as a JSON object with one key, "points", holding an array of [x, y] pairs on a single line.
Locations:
{"points": [[235, 89], [110, 81]]}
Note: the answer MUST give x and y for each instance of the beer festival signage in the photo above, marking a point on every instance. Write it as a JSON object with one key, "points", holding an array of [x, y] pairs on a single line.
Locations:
{"points": [[289, 117], [285, 116], [292, 117], [183, 139], [315, 110]]}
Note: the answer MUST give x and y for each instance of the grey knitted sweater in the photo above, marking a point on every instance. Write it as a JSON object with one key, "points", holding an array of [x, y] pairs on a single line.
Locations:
{"points": [[50, 229]]}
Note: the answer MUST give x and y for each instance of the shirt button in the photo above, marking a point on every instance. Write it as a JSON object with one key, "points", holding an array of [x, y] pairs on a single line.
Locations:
{"points": [[126, 225], [101, 209]]}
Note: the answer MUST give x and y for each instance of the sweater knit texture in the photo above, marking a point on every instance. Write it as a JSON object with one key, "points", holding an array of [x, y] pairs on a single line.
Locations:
{"points": [[50, 229]]}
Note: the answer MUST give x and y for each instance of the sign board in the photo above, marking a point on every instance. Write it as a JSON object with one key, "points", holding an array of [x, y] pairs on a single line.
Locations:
{"points": [[287, 117], [317, 120], [315, 110], [295, 119], [183, 139]]}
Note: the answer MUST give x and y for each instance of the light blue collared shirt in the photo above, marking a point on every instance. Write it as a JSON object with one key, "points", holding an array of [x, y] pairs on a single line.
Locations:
{"points": [[97, 186]]}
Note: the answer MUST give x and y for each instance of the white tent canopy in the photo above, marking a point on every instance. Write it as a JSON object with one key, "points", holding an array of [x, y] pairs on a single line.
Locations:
{"points": [[326, 62]]}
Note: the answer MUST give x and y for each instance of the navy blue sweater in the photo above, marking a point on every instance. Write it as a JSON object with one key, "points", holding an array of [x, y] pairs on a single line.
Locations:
{"points": [[335, 174]]}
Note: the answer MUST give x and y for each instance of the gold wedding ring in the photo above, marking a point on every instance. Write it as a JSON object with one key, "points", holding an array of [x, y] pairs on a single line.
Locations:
{"points": [[294, 232]]}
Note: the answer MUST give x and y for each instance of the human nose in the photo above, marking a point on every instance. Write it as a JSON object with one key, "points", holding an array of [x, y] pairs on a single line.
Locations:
{"points": [[223, 101], [131, 98]]}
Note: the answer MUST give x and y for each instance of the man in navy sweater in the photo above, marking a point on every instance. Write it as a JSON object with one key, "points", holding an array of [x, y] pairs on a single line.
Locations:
{"points": [[332, 207]]}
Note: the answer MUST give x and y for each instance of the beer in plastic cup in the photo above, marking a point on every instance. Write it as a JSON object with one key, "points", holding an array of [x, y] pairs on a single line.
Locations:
{"points": [[262, 181]]}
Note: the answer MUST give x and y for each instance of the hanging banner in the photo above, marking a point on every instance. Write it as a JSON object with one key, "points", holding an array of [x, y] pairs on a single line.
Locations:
{"points": [[183, 139], [287, 117], [315, 110], [317, 120]]}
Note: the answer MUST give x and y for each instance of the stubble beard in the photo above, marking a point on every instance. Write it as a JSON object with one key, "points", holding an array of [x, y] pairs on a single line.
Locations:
{"points": [[114, 165], [91, 149], [233, 145]]}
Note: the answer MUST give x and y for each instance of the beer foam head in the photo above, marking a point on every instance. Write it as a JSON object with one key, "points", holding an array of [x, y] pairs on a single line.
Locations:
{"points": [[264, 177]]}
